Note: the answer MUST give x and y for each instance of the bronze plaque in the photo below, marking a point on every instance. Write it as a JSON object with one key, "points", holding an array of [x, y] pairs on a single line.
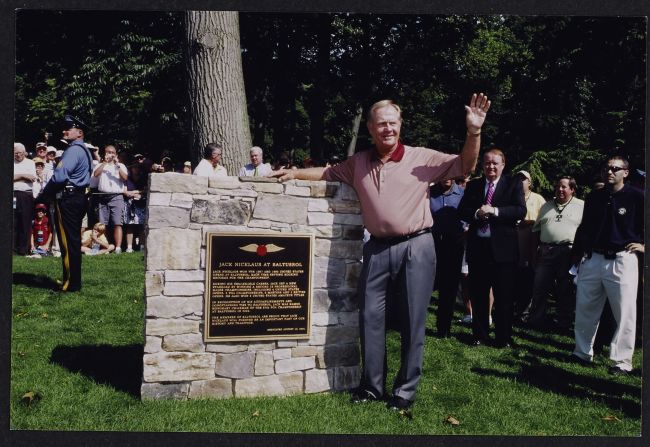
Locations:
{"points": [[258, 286]]}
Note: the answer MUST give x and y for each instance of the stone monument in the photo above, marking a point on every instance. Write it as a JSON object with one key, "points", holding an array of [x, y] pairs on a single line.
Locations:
{"points": [[182, 210]]}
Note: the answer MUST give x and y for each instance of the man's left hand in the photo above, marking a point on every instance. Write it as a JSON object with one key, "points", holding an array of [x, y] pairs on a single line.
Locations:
{"points": [[476, 112], [485, 211], [635, 247]]}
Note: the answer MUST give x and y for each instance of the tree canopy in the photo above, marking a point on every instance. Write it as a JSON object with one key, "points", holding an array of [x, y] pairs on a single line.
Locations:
{"points": [[566, 91]]}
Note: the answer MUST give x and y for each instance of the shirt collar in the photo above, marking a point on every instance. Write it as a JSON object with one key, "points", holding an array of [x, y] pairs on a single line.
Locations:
{"points": [[455, 189], [397, 154]]}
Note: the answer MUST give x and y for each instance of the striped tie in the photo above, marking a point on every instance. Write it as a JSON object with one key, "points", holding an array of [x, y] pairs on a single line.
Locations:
{"points": [[488, 201]]}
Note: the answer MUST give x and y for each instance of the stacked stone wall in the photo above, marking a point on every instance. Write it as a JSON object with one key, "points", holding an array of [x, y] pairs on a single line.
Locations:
{"points": [[182, 209]]}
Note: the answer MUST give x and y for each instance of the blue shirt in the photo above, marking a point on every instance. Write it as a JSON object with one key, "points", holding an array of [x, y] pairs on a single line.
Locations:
{"points": [[444, 209], [73, 169]]}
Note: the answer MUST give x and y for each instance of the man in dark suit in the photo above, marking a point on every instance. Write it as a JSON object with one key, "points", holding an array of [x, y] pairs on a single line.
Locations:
{"points": [[492, 205]]}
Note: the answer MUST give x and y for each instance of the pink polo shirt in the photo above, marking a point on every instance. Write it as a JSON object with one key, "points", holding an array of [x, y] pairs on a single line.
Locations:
{"points": [[394, 196]]}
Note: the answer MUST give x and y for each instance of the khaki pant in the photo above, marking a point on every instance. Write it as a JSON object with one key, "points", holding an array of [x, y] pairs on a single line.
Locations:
{"points": [[615, 280]]}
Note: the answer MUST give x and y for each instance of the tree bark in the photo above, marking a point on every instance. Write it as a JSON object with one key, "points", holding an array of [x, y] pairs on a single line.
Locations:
{"points": [[355, 131], [217, 98]]}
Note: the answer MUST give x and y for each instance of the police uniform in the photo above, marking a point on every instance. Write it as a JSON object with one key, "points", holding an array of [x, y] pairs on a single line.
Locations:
{"points": [[609, 272], [68, 185]]}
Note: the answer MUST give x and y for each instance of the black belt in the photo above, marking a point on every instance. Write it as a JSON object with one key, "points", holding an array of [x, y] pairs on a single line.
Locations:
{"points": [[74, 189], [608, 253], [397, 239]]}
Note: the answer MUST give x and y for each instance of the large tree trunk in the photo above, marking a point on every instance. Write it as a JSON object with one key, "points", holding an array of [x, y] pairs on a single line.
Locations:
{"points": [[216, 86]]}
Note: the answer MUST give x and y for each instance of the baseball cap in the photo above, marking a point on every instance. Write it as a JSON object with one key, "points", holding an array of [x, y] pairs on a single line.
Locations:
{"points": [[187, 163], [51, 149], [41, 144], [40, 206], [525, 174], [38, 160], [59, 153]]}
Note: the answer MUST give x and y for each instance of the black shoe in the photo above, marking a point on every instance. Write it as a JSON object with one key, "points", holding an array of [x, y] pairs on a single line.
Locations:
{"points": [[362, 395], [579, 361], [477, 342], [443, 334], [397, 403], [616, 371]]}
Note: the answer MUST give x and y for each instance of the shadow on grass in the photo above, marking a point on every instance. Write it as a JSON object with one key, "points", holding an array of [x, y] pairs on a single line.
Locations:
{"points": [[581, 386], [117, 366], [31, 280]]}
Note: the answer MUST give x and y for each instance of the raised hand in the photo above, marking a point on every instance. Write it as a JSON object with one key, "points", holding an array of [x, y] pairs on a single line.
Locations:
{"points": [[476, 112]]}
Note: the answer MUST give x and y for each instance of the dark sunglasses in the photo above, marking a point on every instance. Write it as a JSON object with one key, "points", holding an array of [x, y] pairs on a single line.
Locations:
{"points": [[614, 169]]}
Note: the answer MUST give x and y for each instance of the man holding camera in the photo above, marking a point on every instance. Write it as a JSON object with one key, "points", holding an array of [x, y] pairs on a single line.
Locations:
{"points": [[112, 175], [68, 183]]}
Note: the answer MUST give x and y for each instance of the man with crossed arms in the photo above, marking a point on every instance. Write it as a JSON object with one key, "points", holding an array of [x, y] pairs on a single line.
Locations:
{"points": [[392, 184]]}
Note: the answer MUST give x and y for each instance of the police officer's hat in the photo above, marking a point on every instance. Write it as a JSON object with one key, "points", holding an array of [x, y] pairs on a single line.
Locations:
{"points": [[70, 121]]}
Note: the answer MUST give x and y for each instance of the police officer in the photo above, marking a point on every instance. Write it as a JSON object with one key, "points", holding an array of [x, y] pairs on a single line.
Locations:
{"points": [[610, 235], [68, 184]]}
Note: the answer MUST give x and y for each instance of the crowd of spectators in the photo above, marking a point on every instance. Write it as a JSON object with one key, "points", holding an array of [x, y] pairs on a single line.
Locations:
{"points": [[545, 232], [116, 200], [117, 194], [551, 258]]}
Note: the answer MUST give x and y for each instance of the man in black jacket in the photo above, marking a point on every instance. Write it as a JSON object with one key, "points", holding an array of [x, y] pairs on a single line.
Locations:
{"points": [[610, 237], [492, 205]]}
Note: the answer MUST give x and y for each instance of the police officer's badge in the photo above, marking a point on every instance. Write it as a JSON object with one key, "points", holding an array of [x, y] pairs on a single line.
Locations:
{"points": [[622, 211]]}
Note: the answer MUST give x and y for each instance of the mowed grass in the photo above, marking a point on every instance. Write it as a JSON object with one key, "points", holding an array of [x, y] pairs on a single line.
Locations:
{"points": [[80, 357]]}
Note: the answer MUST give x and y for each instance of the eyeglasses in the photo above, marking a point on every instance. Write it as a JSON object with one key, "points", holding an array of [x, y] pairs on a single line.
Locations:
{"points": [[614, 169]]}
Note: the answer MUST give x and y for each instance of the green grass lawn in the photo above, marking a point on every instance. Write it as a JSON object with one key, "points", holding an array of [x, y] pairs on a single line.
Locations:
{"points": [[81, 357]]}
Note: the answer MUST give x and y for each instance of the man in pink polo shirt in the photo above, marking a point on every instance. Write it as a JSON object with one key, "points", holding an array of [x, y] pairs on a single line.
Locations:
{"points": [[392, 183]]}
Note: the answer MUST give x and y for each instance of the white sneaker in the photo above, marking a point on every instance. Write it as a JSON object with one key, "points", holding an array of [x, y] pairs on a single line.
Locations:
{"points": [[490, 320], [129, 250], [467, 319], [118, 250]]}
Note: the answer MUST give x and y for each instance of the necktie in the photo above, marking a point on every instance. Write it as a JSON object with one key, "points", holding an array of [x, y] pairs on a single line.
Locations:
{"points": [[488, 201], [255, 172]]}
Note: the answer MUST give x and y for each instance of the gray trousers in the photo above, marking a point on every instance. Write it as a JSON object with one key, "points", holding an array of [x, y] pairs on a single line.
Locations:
{"points": [[408, 268]]}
